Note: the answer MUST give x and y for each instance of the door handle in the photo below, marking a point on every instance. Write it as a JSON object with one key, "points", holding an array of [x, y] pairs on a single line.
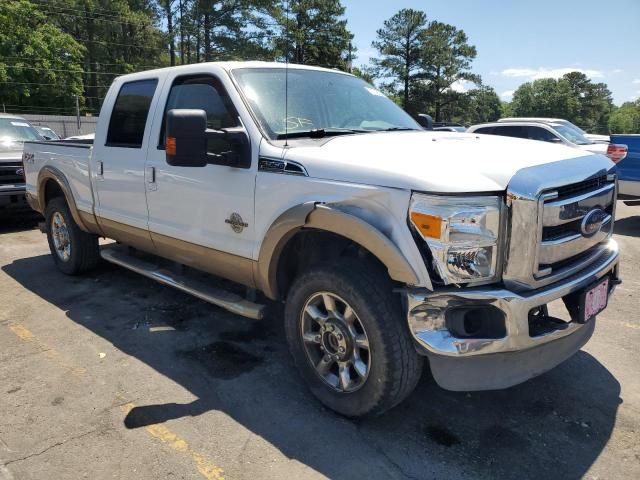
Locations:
{"points": [[150, 175], [100, 169]]}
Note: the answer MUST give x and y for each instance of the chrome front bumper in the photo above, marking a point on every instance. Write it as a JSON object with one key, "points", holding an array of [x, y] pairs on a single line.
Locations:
{"points": [[453, 359]]}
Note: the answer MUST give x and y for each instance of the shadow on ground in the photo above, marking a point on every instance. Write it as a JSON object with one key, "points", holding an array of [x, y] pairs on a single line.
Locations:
{"points": [[628, 226], [19, 220], [554, 426]]}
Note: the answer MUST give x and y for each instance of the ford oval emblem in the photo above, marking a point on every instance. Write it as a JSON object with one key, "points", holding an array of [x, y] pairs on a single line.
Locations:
{"points": [[592, 222]]}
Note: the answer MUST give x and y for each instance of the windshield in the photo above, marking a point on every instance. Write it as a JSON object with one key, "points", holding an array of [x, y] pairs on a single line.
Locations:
{"points": [[573, 126], [318, 101], [16, 130], [573, 135]]}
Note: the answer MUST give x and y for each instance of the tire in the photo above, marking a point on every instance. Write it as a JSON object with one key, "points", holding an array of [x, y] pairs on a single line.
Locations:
{"points": [[82, 254], [393, 365]]}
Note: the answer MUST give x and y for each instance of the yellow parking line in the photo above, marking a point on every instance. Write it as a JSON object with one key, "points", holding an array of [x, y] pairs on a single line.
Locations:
{"points": [[203, 464], [24, 334], [160, 432]]}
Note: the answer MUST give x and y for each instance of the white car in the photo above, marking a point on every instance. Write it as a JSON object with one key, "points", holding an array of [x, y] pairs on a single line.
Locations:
{"points": [[386, 243], [551, 132], [591, 136]]}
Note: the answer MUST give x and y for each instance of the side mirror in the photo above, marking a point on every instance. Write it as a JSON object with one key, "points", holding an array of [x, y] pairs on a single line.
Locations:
{"points": [[189, 143], [186, 138], [555, 140]]}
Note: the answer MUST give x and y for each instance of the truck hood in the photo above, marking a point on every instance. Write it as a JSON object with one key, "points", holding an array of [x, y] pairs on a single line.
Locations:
{"points": [[425, 161]]}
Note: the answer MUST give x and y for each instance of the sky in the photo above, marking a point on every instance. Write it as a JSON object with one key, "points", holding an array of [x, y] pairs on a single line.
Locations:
{"points": [[519, 40]]}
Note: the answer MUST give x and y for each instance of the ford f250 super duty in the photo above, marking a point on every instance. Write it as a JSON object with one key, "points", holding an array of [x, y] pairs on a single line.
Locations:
{"points": [[387, 243]]}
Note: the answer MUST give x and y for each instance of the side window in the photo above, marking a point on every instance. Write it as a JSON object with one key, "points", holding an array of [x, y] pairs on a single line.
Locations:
{"points": [[511, 131], [129, 115], [484, 130], [538, 133], [204, 93]]}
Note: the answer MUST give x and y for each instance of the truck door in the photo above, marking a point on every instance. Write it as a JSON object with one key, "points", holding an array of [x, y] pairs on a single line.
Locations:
{"points": [[201, 216], [118, 164]]}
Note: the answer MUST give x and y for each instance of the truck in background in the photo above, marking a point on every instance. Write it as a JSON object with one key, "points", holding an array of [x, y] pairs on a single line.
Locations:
{"points": [[629, 168], [14, 131]]}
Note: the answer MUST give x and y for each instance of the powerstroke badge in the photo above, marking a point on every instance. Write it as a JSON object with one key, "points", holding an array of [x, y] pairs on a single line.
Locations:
{"points": [[236, 222]]}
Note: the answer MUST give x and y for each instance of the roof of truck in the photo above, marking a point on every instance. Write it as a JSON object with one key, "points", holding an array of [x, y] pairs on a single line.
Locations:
{"points": [[231, 65]]}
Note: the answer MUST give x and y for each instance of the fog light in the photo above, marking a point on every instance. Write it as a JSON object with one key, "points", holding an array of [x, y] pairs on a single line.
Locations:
{"points": [[471, 262]]}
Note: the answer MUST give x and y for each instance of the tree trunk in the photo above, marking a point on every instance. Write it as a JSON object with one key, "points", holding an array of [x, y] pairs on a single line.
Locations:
{"points": [[207, 36], [172, 47], [406, 73]]}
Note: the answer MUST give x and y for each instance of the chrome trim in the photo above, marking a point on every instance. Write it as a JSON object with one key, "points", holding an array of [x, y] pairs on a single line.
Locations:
{"points": [[526, 207], [279, 165], [203, 290], [426, 312], [552, 251], [569, 209]]}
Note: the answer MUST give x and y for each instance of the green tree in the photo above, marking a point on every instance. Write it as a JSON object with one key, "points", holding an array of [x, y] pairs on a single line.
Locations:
{"points": [[118, 37], [446, 58], [484, 105], [625, 119], [399, 43], [594, 102], [573, 97], [40, 66], [544, 98], [314, 32]]}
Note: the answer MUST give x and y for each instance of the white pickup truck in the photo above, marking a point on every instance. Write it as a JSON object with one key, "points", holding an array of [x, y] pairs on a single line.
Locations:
{"points": [[387, 243]]}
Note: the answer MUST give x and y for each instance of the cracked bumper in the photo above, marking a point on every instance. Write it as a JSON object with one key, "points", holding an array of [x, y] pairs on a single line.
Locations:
{"points": [[493, 363]]}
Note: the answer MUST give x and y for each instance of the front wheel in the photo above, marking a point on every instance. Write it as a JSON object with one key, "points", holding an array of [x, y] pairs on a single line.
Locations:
{"points": [[348, 338], [74, 251]]}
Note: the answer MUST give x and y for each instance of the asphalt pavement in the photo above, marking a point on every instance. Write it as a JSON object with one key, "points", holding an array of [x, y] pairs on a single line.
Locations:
{"points": [[110, 375]]}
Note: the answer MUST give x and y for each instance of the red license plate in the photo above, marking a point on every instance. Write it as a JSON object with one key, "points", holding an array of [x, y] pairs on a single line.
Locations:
{"points": [[595, 300]]}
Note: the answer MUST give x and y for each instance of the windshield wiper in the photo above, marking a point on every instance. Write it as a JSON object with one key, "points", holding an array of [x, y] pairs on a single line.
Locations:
{"points": [[395, 129], [319, 133]]}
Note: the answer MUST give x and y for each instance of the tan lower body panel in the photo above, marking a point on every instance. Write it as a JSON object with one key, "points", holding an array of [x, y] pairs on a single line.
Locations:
{"points": [[222, 264]]}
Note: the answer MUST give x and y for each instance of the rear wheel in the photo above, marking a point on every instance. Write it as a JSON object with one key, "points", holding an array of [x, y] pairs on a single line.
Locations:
{"points": [[74, 251], [348, 338]]}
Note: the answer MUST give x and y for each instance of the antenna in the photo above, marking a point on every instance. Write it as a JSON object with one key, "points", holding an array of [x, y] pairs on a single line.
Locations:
{"points": [[286, 79]]}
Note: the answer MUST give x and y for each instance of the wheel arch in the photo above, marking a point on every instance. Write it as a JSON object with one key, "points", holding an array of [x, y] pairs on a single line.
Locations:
{"points": [[322, 218], [52, 184]]}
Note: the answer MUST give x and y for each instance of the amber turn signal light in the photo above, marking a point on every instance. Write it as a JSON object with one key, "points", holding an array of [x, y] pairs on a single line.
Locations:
{"points": [[428, 225], [170, 146]]}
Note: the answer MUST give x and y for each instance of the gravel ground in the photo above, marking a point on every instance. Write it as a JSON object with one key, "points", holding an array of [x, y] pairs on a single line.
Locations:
{"points": [[110, 375]]}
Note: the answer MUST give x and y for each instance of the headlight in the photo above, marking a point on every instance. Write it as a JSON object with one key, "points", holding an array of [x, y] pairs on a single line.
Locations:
{"points": [[462, 234]]}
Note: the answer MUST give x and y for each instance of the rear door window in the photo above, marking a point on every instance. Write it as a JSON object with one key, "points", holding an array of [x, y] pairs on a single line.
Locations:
{"points": [[130, 112], [512, 131]]}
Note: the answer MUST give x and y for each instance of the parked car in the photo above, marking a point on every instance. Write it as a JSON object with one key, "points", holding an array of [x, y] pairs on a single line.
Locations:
{"points": [[87, 138], [386, 243], [458, 129], [46, 132], [14, 131], [591, 136], [628, 168], [544, 131]]}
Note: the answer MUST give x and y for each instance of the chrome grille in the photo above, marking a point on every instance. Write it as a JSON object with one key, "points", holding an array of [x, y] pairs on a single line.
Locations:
{"points": [[547, 204], [9, 174], [561, 236]]}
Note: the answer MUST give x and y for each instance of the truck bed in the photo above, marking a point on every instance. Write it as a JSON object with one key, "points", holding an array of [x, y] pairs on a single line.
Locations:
{"points": [[71, 158]]}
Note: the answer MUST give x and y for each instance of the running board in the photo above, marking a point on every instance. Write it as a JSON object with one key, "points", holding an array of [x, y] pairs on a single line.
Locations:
{"points": [[119, 255]]}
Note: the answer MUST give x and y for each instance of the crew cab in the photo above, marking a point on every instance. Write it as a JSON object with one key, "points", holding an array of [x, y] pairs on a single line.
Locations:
{"points": [[388, 244]]}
